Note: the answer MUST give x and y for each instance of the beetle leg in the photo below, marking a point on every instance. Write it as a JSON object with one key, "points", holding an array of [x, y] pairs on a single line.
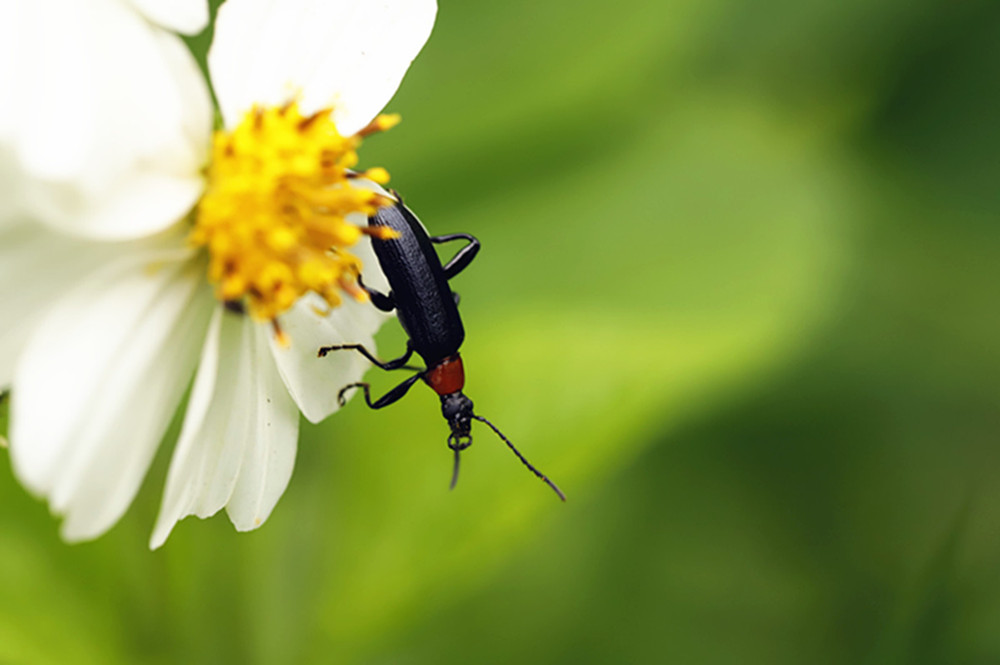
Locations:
{"points": [[395, 363], [380, 300], [463, 257], [457, 298], [390, 397]]}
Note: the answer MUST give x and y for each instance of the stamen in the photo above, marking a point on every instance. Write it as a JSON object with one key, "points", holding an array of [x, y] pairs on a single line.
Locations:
{"points": [[377, 174], [381, 123], [274, 215], [279, 335], [381, 232]]}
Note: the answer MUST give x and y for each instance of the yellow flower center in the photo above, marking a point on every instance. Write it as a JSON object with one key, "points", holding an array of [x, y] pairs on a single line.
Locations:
{"points": [[274, 214]]}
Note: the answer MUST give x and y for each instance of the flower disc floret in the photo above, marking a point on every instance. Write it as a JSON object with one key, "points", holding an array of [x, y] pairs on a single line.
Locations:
{"points": [[274, 214]]}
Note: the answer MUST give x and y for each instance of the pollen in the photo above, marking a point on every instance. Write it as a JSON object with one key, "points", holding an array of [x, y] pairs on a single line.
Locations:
{"points": [[274, 215]]}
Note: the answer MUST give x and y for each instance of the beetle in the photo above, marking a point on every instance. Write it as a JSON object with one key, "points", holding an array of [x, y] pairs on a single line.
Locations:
{"points": [[428, 312]]}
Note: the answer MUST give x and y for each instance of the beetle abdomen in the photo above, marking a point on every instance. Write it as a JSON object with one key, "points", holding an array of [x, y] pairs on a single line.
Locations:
{"points": [[423, 299]]}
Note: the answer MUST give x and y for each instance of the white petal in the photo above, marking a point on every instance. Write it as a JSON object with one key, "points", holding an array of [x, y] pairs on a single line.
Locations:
{"points": [[270, 451], [109, 109], [202, 449], [237, 445], [98, 383], [36, 266], [346, 54], [314, 382], [135, 205], [186, 16]]}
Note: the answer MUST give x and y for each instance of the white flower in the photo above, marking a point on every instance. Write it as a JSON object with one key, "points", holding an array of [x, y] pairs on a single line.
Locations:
{"points": [[105, 306]]}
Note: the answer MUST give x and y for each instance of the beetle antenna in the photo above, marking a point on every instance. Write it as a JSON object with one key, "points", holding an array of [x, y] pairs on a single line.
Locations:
{"points": [[458, 444], [521, 457], [454, 474]]}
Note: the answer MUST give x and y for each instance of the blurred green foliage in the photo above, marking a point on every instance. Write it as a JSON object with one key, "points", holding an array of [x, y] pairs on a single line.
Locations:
{"points": [[737, 296]]}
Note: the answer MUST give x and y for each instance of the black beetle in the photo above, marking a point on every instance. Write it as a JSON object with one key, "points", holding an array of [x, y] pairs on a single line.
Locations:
{"points": [[428, 311]]}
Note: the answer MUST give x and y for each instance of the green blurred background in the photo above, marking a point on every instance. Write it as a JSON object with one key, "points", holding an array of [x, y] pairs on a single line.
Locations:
{"points": [[738, 296]]}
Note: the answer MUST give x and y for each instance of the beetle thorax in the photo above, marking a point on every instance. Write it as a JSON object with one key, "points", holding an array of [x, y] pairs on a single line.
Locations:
{"points": [[447, 377]]}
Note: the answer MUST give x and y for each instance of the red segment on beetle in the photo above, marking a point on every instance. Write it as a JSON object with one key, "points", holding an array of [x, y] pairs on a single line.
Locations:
{"points": [[447, 377]]}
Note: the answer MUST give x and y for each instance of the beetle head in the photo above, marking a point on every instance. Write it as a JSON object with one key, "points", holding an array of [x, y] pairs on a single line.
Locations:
{"points": [[457, 410]]}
